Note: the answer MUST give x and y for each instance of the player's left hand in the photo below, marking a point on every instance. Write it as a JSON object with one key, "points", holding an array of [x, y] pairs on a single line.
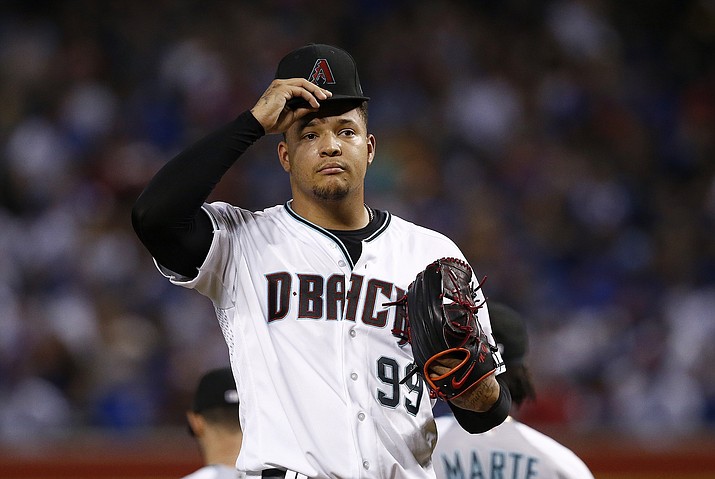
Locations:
{"points": [[451, 350], [479, 398]]}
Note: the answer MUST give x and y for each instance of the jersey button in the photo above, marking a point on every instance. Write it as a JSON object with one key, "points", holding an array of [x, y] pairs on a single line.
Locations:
{"points": [[352, 333], [361, 416], [366, 464], [353, 376], [341, 263]]}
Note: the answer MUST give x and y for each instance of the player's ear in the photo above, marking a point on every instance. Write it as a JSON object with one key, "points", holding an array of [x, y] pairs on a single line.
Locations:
{"points": [[197, 424], [371, 143], [283, 155]]}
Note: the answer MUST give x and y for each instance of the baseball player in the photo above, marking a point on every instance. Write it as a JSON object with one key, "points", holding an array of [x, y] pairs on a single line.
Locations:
{"points": [[300, 289], [512, 449], [213, 421]]}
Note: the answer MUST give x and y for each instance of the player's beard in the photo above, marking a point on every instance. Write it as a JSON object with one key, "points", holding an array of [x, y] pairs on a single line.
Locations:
{"points": [[331, 192]]}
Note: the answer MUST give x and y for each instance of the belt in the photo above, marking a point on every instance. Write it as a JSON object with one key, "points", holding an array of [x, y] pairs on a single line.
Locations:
{"points": [[275, 473]]}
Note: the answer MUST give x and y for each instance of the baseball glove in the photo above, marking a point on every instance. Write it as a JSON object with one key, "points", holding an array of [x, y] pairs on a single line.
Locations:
{"points": [[439, 321]]}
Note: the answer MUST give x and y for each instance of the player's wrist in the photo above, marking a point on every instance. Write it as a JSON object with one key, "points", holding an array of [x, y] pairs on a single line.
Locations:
{"points": [[480, 397]]}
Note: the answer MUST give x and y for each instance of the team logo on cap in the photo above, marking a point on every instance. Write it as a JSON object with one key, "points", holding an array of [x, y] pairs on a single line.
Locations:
{"points": [[321, 74]]}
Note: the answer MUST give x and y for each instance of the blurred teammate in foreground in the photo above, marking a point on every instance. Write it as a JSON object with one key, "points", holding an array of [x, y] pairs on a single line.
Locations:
{"points": [[213, 421], [512, 449]]}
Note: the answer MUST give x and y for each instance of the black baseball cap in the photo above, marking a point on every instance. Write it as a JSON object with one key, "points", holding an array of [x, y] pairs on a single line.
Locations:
{"points": [[327, 66], [509, 332], [217, 388]]}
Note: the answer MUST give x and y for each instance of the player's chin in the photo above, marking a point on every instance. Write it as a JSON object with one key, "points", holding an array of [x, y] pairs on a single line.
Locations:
{"points": [[331, 190]]}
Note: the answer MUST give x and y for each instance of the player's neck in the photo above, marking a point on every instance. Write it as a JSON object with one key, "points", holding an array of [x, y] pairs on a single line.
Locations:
{"points": [[333, 215], [223, 448]]}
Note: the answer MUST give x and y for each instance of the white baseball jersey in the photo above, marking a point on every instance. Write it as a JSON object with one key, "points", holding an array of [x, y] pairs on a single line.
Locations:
{"points": [[214, 471], [510, 450], [317, 366]]}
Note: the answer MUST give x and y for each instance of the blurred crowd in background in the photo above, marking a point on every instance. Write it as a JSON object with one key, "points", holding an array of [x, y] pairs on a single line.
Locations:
{"points": [[568, 147]]}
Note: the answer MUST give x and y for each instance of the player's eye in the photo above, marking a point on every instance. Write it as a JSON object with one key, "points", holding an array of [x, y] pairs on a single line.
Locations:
{"points": [[347, 132], [310, 136]]}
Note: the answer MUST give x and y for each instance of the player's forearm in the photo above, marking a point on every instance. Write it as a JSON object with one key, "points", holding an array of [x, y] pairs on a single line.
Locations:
{"points": [[481, 397], [167, 216], [181, 186]]}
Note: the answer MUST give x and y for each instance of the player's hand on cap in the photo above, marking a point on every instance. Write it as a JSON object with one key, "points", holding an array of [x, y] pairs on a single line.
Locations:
{"points": [[272, 110]]}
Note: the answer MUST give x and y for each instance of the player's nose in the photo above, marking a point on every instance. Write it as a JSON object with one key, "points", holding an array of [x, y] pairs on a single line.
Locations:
{"points": [[330, 146]]}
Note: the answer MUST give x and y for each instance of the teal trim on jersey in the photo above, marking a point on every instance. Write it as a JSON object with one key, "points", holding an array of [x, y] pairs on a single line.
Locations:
{"points": [[321, 230], [382, 228]]}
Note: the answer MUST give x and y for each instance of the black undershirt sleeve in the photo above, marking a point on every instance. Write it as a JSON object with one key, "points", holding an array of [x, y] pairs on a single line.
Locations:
{"points": [[478, 422], [167, 216]]}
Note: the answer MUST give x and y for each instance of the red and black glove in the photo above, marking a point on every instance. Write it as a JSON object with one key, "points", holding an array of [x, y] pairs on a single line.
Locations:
{"points": [[440, 323]]}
